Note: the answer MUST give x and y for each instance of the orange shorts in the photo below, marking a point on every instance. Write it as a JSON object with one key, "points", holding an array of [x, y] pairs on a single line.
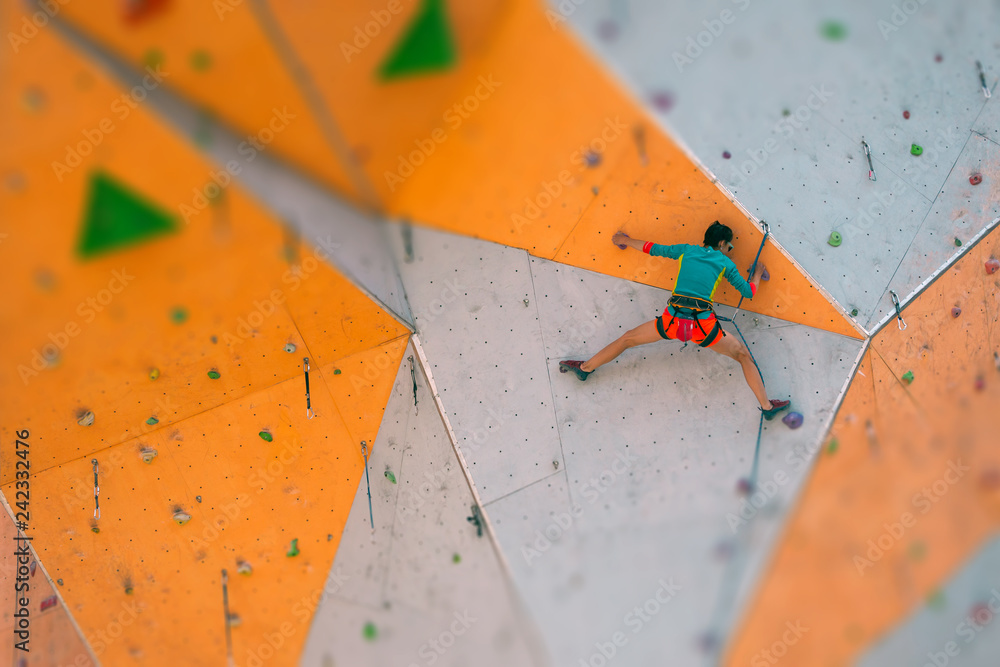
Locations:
{"points": [[706, 332]]}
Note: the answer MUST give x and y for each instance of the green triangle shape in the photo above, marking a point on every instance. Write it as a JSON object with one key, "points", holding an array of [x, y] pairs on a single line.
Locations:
{"points": [[117, 217], [426, 46]]}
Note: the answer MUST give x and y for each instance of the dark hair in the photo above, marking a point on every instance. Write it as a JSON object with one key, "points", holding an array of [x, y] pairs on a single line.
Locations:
{"points": [[717, 232]]}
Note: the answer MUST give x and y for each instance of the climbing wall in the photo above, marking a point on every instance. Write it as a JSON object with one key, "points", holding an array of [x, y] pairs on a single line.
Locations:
{"points": [[959, 623], [906, 489], [556, 163], [425, 585], [207, 51], [590, 485], [53, 637], [775, 99], [454, 126], [159, 342]]}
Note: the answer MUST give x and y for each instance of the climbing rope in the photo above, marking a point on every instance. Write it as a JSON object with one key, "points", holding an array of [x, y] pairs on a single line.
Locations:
{"points": [[760, 427]]}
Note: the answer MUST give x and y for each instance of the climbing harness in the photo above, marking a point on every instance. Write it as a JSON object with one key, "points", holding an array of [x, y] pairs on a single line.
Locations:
{"points": [[309, 413], [688, 310], [900, 322], [868, 154], [371, 516]]}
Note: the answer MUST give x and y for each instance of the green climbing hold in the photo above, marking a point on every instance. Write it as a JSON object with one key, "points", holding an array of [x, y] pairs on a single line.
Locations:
{"points": [[293, 550], [128, 590], [154, 373], [201, 60], [369, 632], [178, 315], [832, 447], [389, 476], [456, 558], [936, 600], [786, 112], [116, 217], [916, 150], [958, 242], [908, 377], [835, 31], [153, 58], [854, 312], [336, 371], [215, 375], [152, 421], [917, 550], [427, 45], [265, 435], [835, 239]]}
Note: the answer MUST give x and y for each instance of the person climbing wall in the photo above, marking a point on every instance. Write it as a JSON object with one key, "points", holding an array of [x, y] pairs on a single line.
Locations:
{"points": [[689, 315]]}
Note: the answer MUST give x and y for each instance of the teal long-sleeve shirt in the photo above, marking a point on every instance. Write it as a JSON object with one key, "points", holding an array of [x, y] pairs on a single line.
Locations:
{"points": [[701, 270]]}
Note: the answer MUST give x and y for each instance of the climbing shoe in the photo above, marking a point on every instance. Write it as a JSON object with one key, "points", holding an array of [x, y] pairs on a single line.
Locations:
{"points": [[574, 366], [776, 407]]}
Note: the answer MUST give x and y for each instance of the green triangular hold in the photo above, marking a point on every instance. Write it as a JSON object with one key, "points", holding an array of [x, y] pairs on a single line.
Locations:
{"points": [[118, 217], [426, 46]]}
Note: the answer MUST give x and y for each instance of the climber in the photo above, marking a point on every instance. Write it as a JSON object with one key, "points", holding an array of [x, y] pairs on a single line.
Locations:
{"points": [[689, 315]]}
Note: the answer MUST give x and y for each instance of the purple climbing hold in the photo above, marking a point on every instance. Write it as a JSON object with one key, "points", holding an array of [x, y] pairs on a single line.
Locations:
{"points": [[726, 154], [956, 311], [607, 30], [622, 245], [663, 101], [593, 158], [793, 420], [744, 486]]}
